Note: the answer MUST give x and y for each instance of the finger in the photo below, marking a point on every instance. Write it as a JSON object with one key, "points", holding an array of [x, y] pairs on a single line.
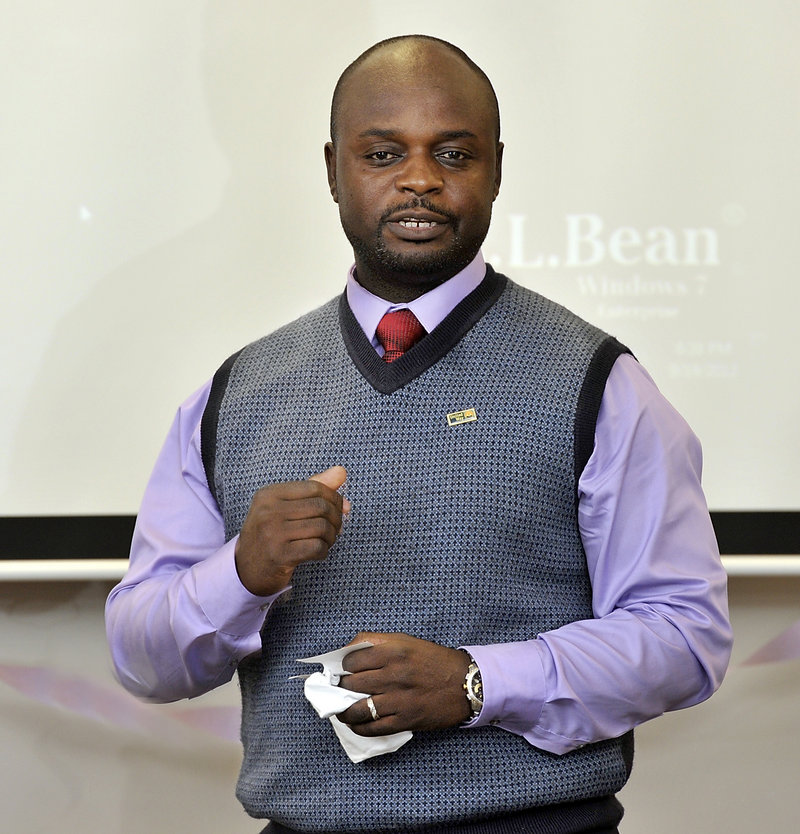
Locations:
{"points": [[310, 529], [297, 499], [360, 712], [386, 724], [334, 478], [365, 658], [306, 550], [384, 727], [372, 657], [313, 507], [374, 637], [373, 680]]}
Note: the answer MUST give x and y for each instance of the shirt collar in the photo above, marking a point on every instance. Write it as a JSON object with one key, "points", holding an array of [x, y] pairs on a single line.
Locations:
{"points": [[430, 308]]}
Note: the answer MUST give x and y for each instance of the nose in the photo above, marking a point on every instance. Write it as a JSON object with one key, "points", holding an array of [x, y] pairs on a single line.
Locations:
{"points": [[420, 174]]}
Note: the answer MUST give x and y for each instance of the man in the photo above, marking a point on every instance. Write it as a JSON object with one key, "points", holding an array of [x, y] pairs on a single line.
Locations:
{"points": [[524, 540]]}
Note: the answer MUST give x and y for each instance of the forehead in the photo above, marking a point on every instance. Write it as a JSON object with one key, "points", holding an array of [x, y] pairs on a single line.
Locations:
{"points": [[412, 83]]}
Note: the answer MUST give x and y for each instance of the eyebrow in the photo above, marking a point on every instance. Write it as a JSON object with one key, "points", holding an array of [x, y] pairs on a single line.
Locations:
{"points": [[388, 133]]}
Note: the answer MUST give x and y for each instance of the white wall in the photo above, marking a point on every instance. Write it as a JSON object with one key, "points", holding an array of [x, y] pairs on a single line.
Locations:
{"points": [[729, 765]]}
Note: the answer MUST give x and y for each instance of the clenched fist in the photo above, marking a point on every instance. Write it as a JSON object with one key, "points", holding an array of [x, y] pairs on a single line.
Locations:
{"points": [[288, 524]]}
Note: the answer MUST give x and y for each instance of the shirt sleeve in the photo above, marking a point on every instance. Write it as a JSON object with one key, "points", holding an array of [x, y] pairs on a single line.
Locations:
{"points": [[180, 620], [660, 638]]}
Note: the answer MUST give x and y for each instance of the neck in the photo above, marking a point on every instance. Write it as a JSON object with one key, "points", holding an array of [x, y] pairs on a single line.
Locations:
{"points": [[398, 287]]}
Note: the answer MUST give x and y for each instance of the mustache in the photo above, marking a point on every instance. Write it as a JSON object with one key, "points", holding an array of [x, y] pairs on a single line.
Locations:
{"points": [[419, 203]]}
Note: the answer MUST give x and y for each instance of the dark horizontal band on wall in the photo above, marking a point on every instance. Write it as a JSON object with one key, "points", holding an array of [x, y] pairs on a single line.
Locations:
{"points": [[109, 536], [66, 536], [763, 533]]}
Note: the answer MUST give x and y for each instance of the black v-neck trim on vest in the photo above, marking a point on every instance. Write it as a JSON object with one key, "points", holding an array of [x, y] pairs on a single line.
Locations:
{"points": [[388, 377]]}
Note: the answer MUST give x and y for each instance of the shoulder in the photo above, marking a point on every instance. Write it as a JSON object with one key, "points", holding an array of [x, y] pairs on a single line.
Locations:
{"points": [[286, 347], [311, 326], [531, 307], [633, 401], [546, 331]]}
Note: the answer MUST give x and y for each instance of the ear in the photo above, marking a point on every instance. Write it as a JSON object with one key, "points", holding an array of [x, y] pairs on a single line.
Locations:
{"points": [[498, 170], [330, 164]]}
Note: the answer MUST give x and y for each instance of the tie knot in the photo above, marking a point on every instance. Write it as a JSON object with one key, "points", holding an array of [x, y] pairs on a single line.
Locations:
{"points": [[397, 332]]}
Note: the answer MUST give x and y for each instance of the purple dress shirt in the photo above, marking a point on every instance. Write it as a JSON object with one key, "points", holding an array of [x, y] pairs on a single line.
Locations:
{"points": [[180, 620]]}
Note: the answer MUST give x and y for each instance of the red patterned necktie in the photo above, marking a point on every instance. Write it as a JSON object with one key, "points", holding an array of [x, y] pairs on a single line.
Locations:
{"points": [[397, 332]]}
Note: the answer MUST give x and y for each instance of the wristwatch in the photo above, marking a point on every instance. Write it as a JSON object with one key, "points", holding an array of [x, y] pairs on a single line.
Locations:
{"points": [[473, 688]]}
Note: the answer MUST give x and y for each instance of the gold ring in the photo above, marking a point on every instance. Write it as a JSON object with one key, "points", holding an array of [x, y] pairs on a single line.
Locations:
{"points": [[372, 710]]}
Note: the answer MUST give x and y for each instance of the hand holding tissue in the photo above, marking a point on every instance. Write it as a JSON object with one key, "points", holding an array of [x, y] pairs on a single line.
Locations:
{"points": [[328, 699]]}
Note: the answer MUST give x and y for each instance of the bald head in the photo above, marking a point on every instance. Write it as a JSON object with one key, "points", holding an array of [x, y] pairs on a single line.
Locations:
{"points": [[402, 55]]}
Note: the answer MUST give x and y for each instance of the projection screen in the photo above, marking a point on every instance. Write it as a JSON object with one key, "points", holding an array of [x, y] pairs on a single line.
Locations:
{"points": [[165, 202]]}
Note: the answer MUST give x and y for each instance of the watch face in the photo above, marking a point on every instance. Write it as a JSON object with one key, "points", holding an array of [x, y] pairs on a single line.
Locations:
{"points": [[475, 685]]}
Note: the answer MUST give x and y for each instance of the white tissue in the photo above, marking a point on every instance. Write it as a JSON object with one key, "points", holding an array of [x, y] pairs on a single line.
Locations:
{"points": [[329, 699]]}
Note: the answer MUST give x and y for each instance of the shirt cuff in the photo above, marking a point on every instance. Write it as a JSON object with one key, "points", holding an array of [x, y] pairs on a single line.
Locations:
{"points": [[512, 675], [228, 605]]}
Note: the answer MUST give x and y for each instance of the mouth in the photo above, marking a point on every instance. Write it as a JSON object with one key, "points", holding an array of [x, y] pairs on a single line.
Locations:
{"points": [[412, 223], [417, 225]]}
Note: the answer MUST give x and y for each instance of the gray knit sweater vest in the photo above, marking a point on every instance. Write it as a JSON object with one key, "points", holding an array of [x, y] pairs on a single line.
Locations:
{"points": [[460, 534]]}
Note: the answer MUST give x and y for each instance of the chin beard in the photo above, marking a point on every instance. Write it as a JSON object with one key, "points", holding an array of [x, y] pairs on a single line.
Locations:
{"points": [[387, 264], [384, 262]]}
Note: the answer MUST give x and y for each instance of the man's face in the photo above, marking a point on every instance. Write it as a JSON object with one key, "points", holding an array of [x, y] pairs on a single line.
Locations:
{"points": [[415, 168]]}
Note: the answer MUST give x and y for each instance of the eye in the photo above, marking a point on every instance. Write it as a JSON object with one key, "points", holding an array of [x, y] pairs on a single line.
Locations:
{"points": [[382, 156], [452, 156]]}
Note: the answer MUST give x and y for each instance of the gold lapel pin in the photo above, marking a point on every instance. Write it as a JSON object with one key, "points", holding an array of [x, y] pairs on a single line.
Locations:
{"points": [[456, 418]]}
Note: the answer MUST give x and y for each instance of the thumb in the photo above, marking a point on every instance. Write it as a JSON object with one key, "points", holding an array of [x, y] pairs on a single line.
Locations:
{"points": [[332, 478]]}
